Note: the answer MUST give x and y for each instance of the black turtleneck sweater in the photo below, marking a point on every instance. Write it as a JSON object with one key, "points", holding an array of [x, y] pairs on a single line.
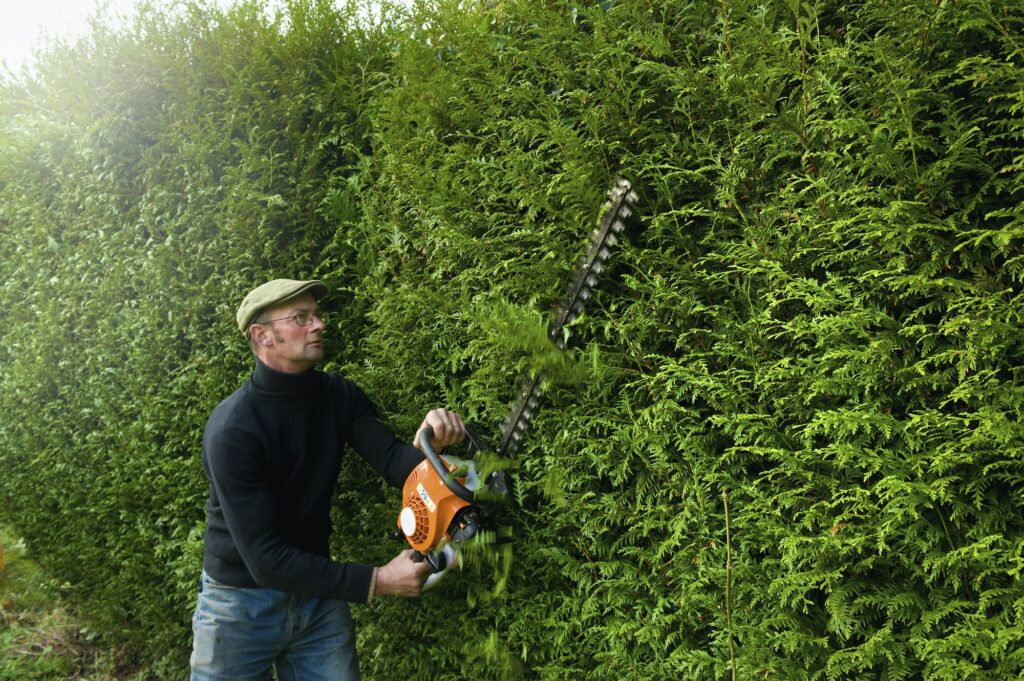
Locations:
{"points": [[272, 452]]}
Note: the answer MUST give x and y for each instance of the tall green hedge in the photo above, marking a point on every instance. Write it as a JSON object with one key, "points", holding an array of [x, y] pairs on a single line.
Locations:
{"points": [[785, 442], [150, 175]]}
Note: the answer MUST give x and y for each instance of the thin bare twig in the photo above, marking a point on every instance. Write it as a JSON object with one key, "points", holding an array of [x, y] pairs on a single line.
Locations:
{"points": [[728, 584]]}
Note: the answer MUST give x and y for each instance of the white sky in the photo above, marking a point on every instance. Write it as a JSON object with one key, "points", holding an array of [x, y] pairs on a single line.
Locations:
{"points": [[24, 22]]}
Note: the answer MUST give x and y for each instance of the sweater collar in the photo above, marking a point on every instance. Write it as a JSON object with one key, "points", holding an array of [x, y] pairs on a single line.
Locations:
{"points": [[279, 382]]}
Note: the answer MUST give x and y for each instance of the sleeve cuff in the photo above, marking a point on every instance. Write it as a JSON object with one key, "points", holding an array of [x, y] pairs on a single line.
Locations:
{"points": [[373, 586]]}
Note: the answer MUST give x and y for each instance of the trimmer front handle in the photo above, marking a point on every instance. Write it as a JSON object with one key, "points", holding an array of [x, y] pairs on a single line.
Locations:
{"points": [[434, 458]]}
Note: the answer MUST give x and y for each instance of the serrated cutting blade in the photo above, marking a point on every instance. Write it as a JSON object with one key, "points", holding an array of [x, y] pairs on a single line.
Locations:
{"points": [[621, 199]]}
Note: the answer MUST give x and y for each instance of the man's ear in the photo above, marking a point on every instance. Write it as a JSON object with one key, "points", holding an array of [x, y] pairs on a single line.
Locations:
{"points": [[258, 333]]}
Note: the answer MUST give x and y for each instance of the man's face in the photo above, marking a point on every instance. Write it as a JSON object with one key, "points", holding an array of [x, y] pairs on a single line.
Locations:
{"points": [[283, 344]]}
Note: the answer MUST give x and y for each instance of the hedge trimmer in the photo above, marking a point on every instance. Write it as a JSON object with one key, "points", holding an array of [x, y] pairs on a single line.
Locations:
{"points": [[440, 510]]}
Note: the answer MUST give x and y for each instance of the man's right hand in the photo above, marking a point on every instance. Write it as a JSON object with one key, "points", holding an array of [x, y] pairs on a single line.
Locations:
{"points": [[403, 576]]}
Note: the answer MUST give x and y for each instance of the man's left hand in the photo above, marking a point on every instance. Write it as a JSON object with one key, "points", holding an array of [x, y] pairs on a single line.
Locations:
{"points": [[448, 428]]}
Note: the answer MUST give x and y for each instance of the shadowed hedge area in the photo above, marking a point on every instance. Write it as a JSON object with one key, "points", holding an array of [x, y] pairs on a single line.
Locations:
{"points": [[785, 442]]}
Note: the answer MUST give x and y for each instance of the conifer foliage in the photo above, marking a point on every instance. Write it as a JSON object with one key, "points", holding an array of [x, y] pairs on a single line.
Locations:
{"points": [[784, 441]]}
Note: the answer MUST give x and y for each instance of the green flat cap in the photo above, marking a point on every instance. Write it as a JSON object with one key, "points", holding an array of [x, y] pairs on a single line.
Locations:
{"points": [[272, 293]]}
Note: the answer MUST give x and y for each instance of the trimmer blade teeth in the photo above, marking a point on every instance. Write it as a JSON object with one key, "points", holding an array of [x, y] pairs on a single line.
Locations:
{"points": [[588, 270]]}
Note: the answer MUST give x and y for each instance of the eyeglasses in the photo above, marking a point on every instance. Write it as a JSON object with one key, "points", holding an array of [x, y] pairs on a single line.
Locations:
{"points": [[302, 318]]}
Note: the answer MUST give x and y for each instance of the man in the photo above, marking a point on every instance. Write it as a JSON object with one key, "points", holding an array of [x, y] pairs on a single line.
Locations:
{"points": [[270, 596]]}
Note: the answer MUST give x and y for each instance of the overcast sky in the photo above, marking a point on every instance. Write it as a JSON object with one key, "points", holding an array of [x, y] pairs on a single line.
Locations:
{"points": [[23, 22]]}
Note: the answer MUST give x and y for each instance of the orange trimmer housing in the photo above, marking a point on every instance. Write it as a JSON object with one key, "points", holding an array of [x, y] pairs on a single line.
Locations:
{"points": [[428, 506]]}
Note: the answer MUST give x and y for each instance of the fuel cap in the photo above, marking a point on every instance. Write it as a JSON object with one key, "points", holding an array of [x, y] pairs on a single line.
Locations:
{"points": [[407, 519]]}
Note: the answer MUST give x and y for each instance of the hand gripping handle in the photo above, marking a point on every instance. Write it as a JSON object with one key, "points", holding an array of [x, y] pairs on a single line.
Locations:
{"points": [[440, 562]]}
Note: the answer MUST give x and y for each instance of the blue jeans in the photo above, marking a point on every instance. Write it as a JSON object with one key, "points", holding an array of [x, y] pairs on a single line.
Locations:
{"points": [[241, 634]]}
